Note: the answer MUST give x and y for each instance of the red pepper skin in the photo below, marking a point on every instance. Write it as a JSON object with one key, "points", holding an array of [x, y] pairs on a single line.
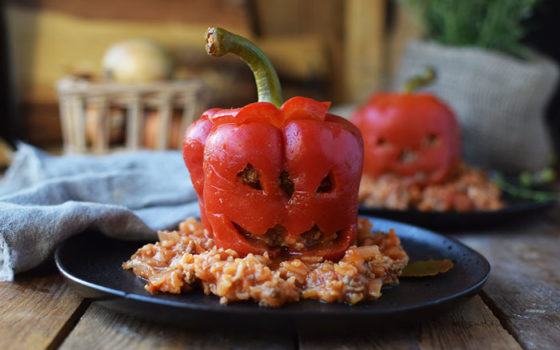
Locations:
{"points": [[299, 138], [193, 154], [415, 136]]}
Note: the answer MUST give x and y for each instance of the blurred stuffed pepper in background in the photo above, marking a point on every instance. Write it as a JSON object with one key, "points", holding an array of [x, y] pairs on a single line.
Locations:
{"points": [[412, 156]]}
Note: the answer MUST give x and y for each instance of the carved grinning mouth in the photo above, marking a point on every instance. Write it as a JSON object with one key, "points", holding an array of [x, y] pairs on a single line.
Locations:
{"points": [[278, 237]]}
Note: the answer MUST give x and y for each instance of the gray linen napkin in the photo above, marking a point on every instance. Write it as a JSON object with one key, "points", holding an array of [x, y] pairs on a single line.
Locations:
{"points": [[45, 199]]}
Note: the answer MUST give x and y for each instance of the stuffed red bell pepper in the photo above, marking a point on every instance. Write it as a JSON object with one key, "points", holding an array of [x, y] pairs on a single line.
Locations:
{"points": [[274, 177], [412, 135]]}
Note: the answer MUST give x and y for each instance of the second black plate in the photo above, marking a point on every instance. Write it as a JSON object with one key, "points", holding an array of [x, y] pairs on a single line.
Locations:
{"points": [[514, 210], [91, 263]]}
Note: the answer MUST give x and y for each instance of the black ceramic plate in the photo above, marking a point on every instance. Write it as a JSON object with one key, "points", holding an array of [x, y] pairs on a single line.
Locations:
{"points": [[514, 209], [91, 263]]}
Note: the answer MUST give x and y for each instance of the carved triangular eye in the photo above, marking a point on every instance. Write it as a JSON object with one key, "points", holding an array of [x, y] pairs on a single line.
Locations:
{"points": [[326, 184], [250, 177], [286, 184]]}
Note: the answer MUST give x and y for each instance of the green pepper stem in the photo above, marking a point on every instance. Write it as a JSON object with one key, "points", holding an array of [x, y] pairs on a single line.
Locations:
{"points": [[419, 81], [220, 42]]}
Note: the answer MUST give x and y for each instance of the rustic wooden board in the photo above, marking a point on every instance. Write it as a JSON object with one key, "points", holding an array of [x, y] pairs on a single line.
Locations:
{"points": [[36, 311], [403, 29], [364, 64], [398, 339], [100, 328], [524, 286], [228, 13], [469, 326]]}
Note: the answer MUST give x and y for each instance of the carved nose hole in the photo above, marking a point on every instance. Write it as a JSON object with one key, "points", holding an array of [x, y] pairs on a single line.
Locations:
{"points": [[286, 184], [407, 156], [381, 141], [432, 140], [326, 184], [250, 177]]}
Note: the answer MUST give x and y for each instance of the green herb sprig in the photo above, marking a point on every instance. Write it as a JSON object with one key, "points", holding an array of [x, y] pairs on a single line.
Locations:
{"points": [[523, 188], [491, 24]]}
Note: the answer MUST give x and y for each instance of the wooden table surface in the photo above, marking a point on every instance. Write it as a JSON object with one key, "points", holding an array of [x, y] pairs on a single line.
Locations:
{"points": [[518, 308]]}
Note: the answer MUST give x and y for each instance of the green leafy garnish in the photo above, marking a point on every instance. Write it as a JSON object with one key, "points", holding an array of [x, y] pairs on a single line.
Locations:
{"points": [[523, 187]]}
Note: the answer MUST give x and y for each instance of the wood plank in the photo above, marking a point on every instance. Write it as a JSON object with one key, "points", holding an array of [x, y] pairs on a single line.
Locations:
{"points": [[469, 326], [279, 17], [229, 13], [364, 49], [394, 339], [319, 20], [47, 45], [524, 286], [51, 45], [35, 310], [402, 30], [100, 328]]}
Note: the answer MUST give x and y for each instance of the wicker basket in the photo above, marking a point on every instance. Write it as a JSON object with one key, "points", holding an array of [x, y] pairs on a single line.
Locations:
{"points": [[77, 95]]}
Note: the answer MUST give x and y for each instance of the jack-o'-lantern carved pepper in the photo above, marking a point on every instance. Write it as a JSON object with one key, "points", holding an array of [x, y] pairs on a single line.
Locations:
{"points": [[412, 135], [273, 177]]}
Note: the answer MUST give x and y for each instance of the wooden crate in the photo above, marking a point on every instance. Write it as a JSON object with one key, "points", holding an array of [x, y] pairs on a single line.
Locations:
{"points": [[77, 95]]}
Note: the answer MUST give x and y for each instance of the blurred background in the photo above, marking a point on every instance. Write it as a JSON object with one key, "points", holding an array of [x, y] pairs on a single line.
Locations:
{"points": [[335, 50]]}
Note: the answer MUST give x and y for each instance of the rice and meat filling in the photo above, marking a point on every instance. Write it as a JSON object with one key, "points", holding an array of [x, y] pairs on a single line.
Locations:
{"points": [[188, 258], [469, 189]]}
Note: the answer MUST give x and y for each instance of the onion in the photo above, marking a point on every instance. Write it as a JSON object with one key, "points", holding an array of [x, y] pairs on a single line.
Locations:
{"points": [[152, 126], [136, 61]]}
